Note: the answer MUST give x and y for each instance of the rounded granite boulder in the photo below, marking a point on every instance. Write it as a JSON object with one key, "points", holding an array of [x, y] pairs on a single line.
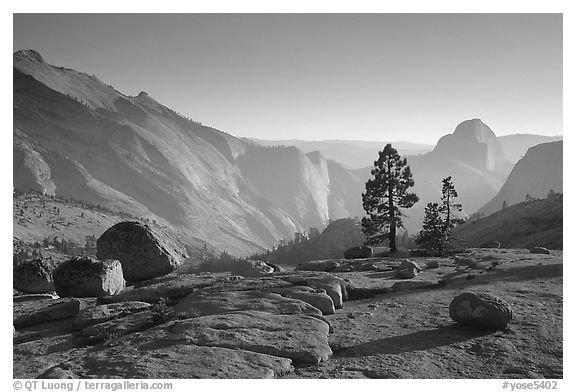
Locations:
{"points": [[482, 310], [34, 277], [144, 253]]}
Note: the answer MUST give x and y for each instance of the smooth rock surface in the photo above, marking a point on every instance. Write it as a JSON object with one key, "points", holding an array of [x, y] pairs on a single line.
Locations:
{"points": [[101, 313], [302, 338], [197, 305], [116, 328], [319, 300], [41, 311], [156, 355]]}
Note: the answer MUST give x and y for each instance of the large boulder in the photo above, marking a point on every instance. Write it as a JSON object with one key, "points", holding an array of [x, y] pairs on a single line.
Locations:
{"points": [[359, 252], [539, 250], [482, 310], [34, 277], [88, 277], [144, 253]]}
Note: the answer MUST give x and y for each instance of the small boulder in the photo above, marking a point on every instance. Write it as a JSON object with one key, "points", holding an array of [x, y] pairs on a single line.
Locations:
{"points": [[481, 310], [359, 252], [251, 268], [34, 277], [144, 253], [88, 277], [319, 265], [407, 273], [407, 264], [407, 270], [432, 264], [539, 250]]}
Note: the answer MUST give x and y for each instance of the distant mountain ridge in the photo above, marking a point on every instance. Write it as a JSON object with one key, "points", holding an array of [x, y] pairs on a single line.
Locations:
{"points": [[352, 154], [471, 156], [515, 146], [536, 174], [75, 136]]}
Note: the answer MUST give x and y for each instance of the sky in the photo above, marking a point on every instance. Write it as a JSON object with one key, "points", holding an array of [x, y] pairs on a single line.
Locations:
{"points": [[384, 77]]}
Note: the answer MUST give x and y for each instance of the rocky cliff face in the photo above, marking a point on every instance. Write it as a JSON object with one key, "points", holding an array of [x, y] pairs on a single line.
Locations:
{"points": [[538, 172], [78, 137], [474, 142]]}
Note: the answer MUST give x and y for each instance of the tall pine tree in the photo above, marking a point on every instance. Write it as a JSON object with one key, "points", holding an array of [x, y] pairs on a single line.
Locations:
{"points": [[449, 208], [385, 194]]}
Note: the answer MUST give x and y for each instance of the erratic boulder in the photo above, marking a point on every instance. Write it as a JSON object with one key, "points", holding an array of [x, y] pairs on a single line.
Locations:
{"points": [[34, 277], [539, 250], [88, 277], [480, 310], [359, 252], [144, 254]]}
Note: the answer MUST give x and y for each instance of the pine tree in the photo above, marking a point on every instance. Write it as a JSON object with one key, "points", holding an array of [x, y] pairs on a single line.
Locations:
{"points": [[448, 206], [448, 209], [385, 194], [431, 236]]}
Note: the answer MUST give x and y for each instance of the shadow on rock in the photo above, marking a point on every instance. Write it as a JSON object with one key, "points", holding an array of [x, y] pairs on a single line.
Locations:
{"points": [[416, 341]]}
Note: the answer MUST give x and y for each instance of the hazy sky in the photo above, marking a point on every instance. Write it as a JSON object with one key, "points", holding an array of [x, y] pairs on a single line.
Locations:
{"points": [[410, 77]]}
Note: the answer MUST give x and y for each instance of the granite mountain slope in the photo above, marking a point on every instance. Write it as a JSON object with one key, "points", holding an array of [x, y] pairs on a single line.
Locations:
{"points": [[536, 174], [78, 137]]}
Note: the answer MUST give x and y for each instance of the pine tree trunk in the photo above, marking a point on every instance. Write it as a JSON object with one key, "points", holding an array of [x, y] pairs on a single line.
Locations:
{"points": [[392, 232]]}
